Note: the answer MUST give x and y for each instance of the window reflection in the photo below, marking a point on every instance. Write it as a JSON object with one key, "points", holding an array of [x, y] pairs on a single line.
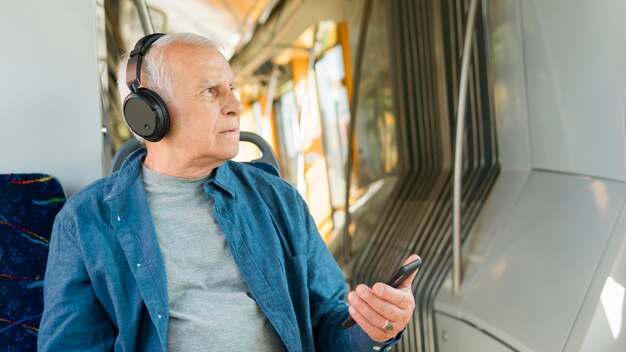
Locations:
{"points": [[286, 111], [335, 112], [376, 154]]}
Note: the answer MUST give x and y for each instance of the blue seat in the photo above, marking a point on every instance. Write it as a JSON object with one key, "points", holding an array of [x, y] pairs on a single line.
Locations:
{"points": [[28, 206]]}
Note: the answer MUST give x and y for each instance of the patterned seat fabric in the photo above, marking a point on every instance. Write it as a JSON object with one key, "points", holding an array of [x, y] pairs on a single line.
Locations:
{"points": [[28, 205]]}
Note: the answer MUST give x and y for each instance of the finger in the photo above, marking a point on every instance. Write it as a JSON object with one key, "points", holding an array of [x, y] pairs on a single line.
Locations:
{"points": [[374, 332], [385, 308], [369, 313], [400, 298], [407, 283]]}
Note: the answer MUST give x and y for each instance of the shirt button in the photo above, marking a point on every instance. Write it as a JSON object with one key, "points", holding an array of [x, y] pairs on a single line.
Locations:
{"points": [[160, 316], [376, 348], [139, 264], [119, 218]]}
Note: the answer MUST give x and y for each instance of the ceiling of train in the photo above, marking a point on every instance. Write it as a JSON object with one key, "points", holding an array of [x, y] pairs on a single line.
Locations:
{"points": [[230, 22]]}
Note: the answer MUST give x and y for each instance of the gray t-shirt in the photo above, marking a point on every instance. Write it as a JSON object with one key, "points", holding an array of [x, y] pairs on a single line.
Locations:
{"points": [[210, 309]]}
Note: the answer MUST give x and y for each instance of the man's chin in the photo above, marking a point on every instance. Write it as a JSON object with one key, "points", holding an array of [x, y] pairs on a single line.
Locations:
{"points": [[231, 154]]}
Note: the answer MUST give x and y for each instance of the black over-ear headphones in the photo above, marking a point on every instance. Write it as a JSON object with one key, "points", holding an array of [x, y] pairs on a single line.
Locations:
{"points": [[144, 110]]}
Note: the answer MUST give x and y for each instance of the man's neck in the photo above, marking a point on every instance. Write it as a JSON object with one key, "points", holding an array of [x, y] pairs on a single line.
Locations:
{"points": [[171, 164]]}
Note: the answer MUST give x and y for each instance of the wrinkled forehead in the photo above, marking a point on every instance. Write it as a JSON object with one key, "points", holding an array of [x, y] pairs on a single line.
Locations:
{"points": [[200, 63], [215, 68]]}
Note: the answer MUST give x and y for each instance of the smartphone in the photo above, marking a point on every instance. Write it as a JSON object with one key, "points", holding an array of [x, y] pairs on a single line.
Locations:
{"points": [[394, 281]]}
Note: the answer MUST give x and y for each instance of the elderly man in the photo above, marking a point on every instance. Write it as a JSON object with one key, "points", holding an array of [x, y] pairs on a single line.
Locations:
{"points": [[184, 250]]}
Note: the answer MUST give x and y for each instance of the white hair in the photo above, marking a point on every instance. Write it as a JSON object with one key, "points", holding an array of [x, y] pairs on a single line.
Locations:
{"points": [[155, 73]]}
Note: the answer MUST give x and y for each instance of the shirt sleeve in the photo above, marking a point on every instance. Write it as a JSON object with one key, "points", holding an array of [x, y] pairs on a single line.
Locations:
{"points": [[327, 295], [73, 318]]}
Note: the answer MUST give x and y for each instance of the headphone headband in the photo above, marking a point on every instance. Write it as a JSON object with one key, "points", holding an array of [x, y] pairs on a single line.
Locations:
{"points": [[133, 68]]}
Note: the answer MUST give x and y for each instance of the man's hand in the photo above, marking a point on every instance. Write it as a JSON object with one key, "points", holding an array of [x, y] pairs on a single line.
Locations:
{"points": [[383, 311]]}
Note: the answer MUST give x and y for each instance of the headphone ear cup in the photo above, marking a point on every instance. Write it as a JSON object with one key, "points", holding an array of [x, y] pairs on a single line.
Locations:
{"points": [[147, 115]]}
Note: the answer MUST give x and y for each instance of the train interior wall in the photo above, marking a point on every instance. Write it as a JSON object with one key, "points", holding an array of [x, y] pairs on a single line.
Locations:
{"points": [[544, 263], [50, 91]]}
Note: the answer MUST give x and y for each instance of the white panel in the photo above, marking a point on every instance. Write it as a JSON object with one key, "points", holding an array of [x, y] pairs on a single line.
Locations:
{"points": [[484, 233], [49, 91], [529, 286], [509, 86], [455, 335], [576, 74], [601, 325]]}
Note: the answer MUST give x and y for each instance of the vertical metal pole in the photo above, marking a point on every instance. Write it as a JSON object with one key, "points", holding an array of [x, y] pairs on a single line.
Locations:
{"points": [[458, 150], [144, 16]]}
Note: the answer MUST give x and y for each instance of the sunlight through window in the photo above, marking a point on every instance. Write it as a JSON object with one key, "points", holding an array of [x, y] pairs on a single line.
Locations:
{"points": [[612, 299]]}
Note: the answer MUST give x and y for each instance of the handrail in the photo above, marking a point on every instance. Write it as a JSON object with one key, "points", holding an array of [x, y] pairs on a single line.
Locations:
{"points": [[267, 153], [144, 16], [458, 150]]}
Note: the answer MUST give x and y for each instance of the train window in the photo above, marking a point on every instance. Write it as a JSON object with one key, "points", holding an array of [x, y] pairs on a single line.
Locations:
{"points": [[314, 157], [264, 125], [286, 111], [312, 122], [303, 161], [375, 130], [335, 112], [376, 153]]}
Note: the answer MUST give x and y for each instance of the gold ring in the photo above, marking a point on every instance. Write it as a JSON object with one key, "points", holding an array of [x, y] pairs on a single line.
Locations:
{"points": [[388, 326]]}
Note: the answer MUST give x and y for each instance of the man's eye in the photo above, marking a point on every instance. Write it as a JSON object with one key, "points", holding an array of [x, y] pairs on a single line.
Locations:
{"points": [[211, 90]]}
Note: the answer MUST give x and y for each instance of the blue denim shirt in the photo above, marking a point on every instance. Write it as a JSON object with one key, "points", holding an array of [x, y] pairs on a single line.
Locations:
{"points": [[105, 285]]}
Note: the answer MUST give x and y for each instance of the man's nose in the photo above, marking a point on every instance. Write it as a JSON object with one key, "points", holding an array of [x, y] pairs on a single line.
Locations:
{"points": [[233, 106]]}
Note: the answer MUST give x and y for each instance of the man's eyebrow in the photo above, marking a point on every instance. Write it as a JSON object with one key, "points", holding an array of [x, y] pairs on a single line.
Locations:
{"points": [[216, 82]]}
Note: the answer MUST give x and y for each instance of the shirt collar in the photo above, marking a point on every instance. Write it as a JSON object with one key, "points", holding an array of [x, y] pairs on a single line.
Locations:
{"points": [[128, 173], [223, 179]]}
